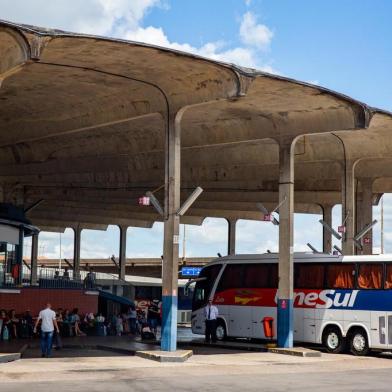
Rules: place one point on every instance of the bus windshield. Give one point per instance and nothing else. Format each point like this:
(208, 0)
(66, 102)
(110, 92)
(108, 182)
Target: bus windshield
(203, 287)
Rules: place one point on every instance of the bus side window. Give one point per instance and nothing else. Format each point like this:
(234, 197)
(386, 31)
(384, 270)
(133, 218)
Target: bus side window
(340, 276)
(369, 276)
(388, 276)
(274, 279)
(231, 277)
(256, 276)
(309, 276)
(203, 287)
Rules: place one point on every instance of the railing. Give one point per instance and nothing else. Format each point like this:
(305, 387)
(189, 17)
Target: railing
(51, 278)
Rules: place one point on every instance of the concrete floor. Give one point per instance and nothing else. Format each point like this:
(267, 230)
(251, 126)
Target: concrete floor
(207, 370)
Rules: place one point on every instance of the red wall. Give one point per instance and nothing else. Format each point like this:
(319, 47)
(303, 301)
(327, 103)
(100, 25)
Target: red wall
(35, 299)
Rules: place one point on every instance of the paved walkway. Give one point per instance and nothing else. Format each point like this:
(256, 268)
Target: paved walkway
(207, 370)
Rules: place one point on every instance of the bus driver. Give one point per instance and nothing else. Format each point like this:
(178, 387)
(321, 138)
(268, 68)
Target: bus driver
(211, 315)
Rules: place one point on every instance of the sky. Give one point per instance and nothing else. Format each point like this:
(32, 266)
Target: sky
(343, 45)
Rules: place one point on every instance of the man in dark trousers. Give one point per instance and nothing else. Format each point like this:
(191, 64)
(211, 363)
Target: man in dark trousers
(211, 315)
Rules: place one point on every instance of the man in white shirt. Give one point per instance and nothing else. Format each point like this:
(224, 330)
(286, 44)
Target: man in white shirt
(48, 324)
(211, 315)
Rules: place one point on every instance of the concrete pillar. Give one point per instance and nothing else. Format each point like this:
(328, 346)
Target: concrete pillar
(348, 208)
(34, 259)
(327, 236)
(286, 220)
(171, 234)
(76, 257)
(123, 251)
(231, 236)
(365, 214)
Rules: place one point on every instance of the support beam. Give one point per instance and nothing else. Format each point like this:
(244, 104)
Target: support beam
(231, 236)
(76, 257)
(171, 233)
(327, 235)
(366, 214)
(348, 207)
(34, 259)
(286, 218)
(123, 252)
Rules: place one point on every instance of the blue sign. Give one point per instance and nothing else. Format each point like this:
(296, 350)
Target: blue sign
(190, 271)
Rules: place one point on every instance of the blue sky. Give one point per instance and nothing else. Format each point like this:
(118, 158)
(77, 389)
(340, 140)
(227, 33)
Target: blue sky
(342, 45)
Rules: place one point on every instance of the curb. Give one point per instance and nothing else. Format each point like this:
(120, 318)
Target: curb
(227, 346)
(296, 351)
(165, 356)
(4, 358)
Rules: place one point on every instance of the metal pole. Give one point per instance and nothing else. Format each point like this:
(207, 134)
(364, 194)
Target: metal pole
(34, 259)
(123, 252)
(76, 258)
(60, 254)
(184, 244)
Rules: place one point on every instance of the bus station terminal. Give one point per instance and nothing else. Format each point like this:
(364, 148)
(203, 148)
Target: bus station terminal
(99, 131)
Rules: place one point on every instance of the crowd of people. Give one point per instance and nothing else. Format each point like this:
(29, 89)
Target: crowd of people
(130, 321)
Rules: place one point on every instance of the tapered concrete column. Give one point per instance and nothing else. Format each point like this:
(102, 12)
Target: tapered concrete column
(123, 251)
(76, 257)
(171, 234)
(365, 214)
(34, 259)
(231, 236)
(327, 236)
(286, 220)
(348, 208)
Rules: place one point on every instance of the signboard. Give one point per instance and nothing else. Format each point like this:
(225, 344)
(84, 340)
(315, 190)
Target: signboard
(190, 271)
(144, 201)
(341, 229)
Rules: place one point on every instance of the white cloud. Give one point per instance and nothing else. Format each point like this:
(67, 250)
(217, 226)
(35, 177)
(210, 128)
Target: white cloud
(124, 19)
(253, 33)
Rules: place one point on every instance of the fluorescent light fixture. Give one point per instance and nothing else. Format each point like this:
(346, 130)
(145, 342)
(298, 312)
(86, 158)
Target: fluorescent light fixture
(338, 249)
(155, 202)
(314, 250)
(189, 201)
(330, 229)
(365, 230)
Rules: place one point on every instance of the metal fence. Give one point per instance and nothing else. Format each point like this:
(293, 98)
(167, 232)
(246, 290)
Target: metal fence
(52, 278)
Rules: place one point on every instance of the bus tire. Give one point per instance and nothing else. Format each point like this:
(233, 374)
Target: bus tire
(221, 333)
(333, 340)
(359, 343)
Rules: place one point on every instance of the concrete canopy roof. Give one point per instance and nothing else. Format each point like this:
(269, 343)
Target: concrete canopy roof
(82, 124)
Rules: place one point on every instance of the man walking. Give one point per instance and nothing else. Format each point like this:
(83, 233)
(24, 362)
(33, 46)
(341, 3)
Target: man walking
(211, 315)
(49, 323)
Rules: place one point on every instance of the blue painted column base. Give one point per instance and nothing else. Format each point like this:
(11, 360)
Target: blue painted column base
(169, 323)
(285, 323)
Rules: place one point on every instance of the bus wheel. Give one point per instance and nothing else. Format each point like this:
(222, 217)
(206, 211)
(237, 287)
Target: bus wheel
(221, 331)
(333, 340)
(359, 344)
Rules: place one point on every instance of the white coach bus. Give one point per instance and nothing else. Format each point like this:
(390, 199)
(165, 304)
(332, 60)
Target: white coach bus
(339, 301)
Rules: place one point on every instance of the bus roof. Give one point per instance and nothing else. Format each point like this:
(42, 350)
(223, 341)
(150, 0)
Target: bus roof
(300, 257)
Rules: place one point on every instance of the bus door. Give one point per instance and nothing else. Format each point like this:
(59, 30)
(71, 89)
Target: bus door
(231, 291)
(369, 281)
(378, 328)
